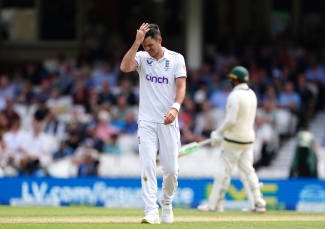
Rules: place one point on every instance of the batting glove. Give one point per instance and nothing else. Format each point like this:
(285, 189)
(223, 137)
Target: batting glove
(216, 138)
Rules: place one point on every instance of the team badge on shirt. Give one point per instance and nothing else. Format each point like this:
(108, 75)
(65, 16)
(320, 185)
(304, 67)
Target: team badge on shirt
(167, 65)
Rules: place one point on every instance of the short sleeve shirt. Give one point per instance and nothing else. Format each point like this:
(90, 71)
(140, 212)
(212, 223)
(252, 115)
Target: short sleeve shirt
(158, 83)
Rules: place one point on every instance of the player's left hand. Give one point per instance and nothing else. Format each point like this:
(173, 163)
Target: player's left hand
(216, 138)
(170, 116)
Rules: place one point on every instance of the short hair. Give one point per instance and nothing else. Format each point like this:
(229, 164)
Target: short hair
(153, 32)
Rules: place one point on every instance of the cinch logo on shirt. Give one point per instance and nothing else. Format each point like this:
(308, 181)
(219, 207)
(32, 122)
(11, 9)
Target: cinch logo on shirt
(156, 79)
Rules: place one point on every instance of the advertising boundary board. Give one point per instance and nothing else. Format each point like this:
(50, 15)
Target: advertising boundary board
(295, 194)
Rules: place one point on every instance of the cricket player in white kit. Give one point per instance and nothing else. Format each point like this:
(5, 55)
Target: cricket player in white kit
(162, 90)
(237, 136)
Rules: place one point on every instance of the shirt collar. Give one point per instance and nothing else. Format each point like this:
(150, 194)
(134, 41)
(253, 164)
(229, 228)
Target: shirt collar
(241, 86)
(165, 56)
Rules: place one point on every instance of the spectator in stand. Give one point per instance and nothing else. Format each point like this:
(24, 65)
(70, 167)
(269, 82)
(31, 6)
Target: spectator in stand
(26, 95)
(36, 150)
(209, 126)
(187, 131)
(64, 151)
(57, 103)
(86, 156)
(73, 140)
(10, 113)
(205, 116)
(14, 138)
(122, 107)
(45, 89)
(75, 125)
(93, 103)
(4, 125)
(88, 166)
(215, 84)
(316, 75)
(290, 100)
(107, 73)
(188, 111)
(267, 137)
(85, 77)
(218, 98)
(42, 110)
(113, 147)
(32, 74)
(80, 95)
(6, 91)
(91, 133)
(271, 96)
(278, 81)
(104, 130)
(13, 141)
(126, 91)
(65, 79)
(264, 135)
(117, 121)
(131, 124)
(308, 101)
(201, 94)
(54, 127)
(105, 95)
(17, 82)
(206, 73)
(60, 63)
(254, 73)
(194, 82)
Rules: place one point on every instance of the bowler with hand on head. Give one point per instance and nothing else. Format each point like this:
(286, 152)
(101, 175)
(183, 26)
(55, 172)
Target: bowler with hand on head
(162, 75)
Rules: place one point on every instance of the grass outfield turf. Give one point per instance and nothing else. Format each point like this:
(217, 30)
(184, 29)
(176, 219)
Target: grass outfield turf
(98, 217)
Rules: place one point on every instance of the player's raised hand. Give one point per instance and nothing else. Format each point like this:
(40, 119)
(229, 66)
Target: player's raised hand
(141, 32)
(170, 116)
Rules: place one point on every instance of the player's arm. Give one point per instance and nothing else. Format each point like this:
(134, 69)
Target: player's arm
(128, 63)
(171, 114)
(230, 120)
(231, 114)
(180, 90)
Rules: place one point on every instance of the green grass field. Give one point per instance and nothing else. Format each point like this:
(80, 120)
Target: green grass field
(98, 217)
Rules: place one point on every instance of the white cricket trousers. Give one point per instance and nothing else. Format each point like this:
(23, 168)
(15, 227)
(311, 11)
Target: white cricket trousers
(229, 158)
(154, 137)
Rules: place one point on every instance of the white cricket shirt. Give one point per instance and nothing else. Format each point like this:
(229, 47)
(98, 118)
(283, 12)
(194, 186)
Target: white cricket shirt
(238, 126)
(158, 83)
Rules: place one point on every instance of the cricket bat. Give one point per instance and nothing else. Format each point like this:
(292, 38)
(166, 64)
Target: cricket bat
(192, 147)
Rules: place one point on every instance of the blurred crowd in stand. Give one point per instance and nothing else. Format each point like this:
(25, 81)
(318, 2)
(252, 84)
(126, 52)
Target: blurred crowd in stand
(85, 107)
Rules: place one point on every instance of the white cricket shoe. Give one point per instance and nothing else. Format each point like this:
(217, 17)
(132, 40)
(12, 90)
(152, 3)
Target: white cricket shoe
(206, 208)
(257, 209)
(167, 215)
(152, 218)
